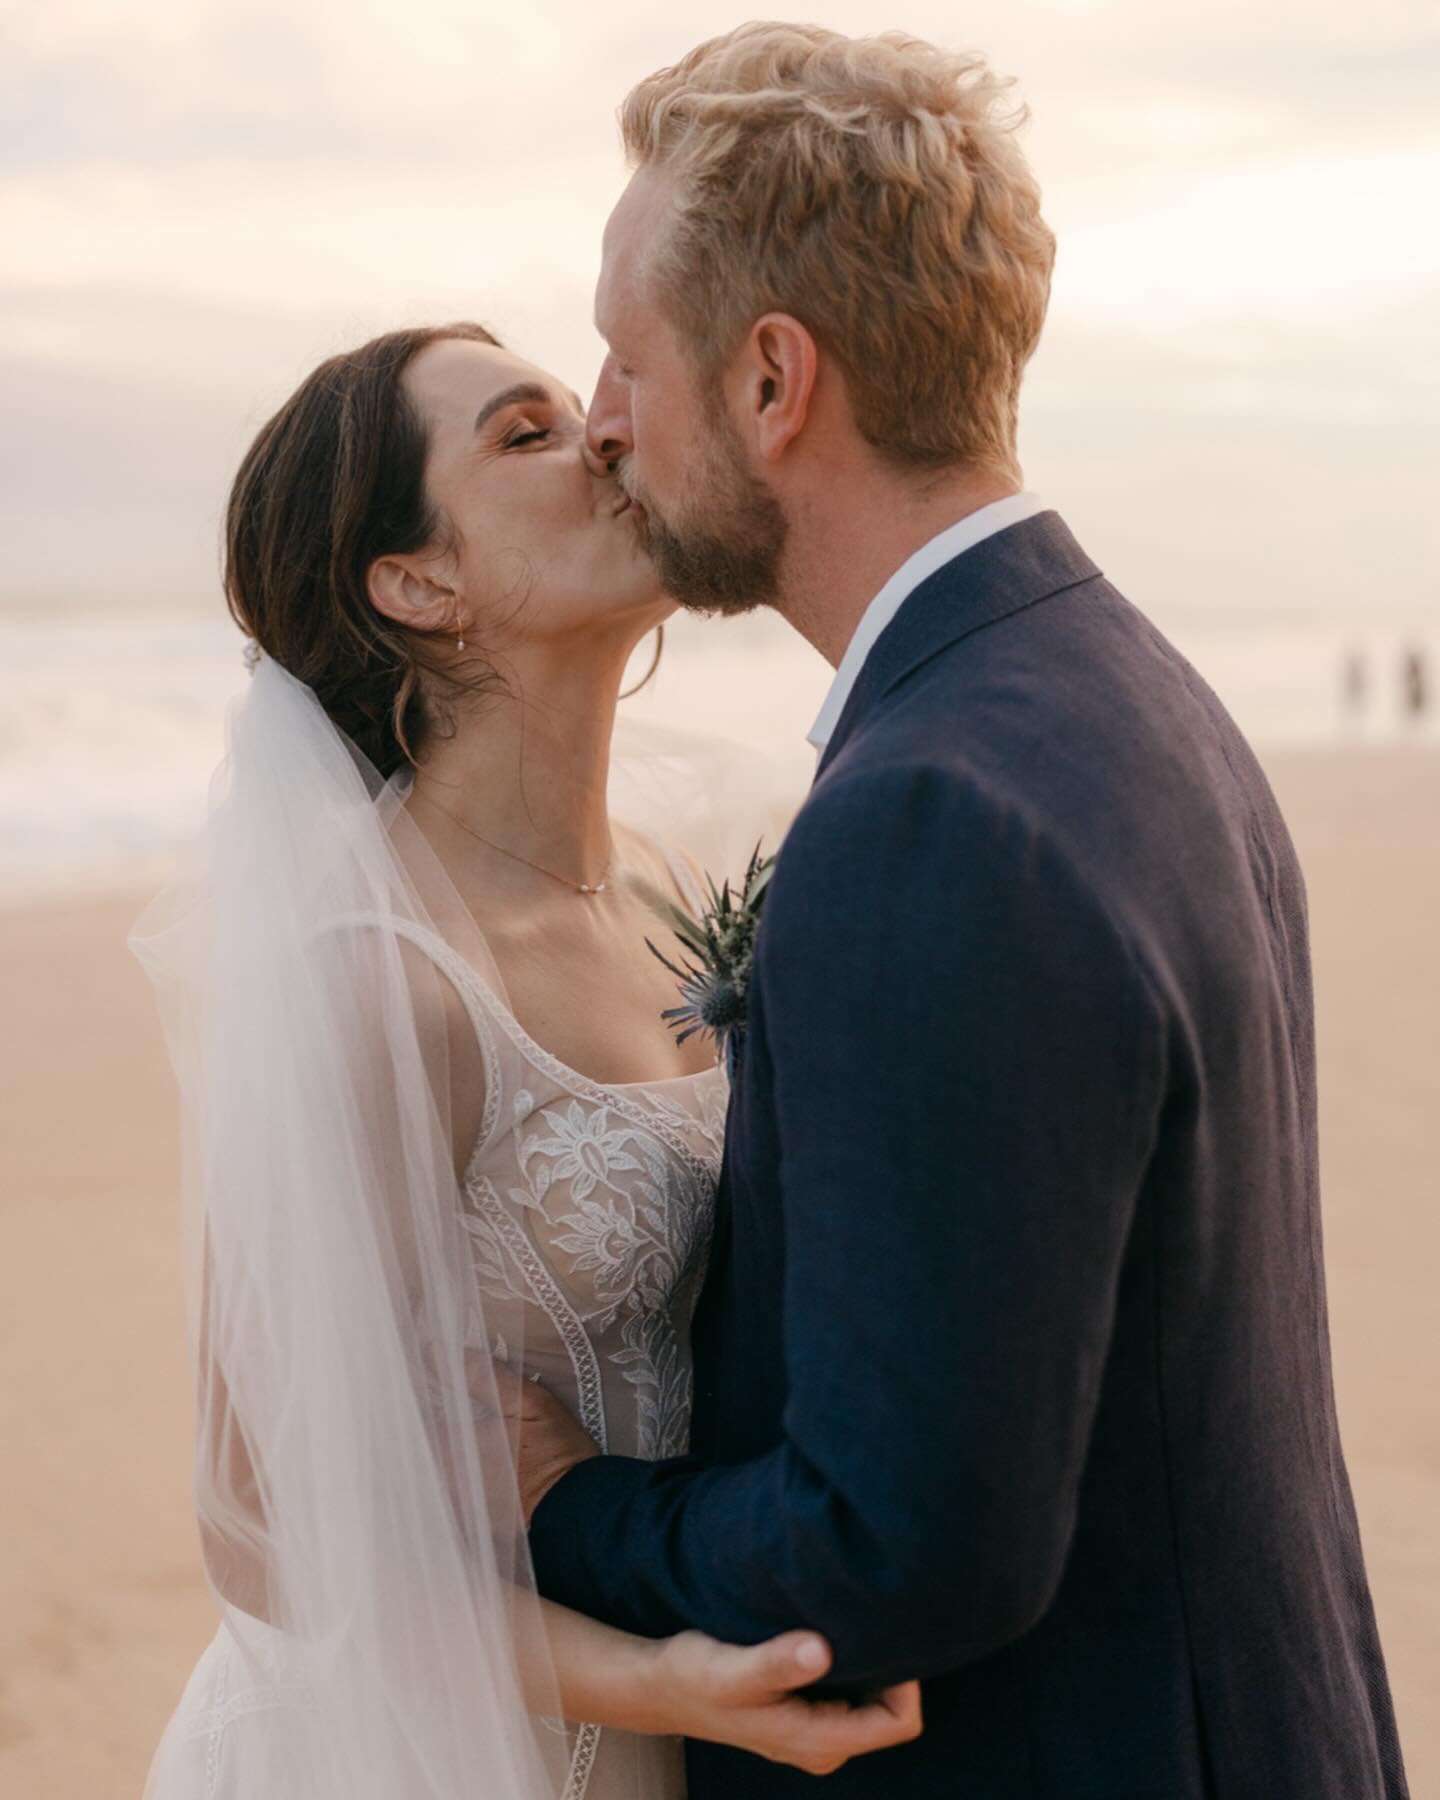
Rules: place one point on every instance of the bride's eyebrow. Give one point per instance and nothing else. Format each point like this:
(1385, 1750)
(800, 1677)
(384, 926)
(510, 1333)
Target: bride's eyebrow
(522, 393)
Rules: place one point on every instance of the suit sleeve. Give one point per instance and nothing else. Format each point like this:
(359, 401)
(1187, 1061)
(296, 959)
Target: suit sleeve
(968, 1069)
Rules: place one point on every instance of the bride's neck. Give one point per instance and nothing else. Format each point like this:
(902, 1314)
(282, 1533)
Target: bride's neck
(529, 770)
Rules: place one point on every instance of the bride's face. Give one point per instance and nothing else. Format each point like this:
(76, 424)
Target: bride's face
(538, 545)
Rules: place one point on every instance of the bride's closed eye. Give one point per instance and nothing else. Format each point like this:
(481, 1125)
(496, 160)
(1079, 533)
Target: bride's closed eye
(537, 434)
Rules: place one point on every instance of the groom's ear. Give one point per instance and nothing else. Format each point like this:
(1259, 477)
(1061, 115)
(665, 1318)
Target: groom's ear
(779, 361)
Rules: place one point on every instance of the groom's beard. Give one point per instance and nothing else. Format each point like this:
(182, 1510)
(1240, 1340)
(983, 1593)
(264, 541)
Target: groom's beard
(728, 560)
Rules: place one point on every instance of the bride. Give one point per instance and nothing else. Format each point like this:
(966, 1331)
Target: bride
(438, 1138)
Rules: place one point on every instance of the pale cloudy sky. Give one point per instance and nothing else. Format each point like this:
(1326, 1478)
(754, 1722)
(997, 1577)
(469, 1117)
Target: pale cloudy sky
(1238, 400)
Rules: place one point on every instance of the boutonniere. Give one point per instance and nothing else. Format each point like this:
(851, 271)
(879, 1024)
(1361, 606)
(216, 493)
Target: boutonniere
(714, 976)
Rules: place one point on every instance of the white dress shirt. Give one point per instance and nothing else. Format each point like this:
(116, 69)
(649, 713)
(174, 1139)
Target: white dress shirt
(942, 549)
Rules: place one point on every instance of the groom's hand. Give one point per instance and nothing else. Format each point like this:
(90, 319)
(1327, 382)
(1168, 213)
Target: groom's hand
(548, 1441)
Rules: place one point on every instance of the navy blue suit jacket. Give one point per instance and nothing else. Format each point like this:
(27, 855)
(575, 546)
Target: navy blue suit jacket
(1012, 1363)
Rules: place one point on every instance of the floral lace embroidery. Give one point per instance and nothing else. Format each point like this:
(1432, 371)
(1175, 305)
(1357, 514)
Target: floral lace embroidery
(635, 1234)
(548, 1296)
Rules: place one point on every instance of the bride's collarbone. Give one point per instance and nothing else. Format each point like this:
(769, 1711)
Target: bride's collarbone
(589, 991)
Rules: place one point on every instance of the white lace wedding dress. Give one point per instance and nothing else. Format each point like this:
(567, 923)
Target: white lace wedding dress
(587, 1210)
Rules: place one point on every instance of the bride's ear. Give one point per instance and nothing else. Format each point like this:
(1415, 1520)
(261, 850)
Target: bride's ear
(399, 590)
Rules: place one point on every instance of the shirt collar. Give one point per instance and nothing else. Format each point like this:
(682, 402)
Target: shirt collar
(999, 515)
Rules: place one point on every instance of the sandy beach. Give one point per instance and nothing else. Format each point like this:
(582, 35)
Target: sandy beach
(102, 1608)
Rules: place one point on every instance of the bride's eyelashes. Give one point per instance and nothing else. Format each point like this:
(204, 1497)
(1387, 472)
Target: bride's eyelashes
(526, 433)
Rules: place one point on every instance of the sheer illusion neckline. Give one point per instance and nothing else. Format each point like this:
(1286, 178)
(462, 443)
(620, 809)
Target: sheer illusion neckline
(465, 974)
(557, 1066)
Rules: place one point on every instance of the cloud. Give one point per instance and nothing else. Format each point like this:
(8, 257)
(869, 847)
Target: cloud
(1378, 367)
(1307, 235)
(361, 84)
(201, 198)
(112, 480)
(1250, 473)
(323, 89)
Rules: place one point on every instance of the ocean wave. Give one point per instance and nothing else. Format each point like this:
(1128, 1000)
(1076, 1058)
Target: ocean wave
(112, 726)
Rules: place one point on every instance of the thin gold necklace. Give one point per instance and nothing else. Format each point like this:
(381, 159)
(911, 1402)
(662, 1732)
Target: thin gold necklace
(589, 889)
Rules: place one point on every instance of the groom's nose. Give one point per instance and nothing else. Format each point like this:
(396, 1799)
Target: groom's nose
(608, 437)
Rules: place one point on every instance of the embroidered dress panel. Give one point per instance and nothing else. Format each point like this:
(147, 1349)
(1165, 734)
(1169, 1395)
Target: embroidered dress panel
(587, 1209)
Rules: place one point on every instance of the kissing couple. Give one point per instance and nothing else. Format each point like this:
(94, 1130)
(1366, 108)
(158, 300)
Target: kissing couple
(920, 1378)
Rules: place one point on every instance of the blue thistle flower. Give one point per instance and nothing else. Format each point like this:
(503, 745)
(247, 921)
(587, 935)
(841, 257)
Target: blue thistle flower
(714, 976)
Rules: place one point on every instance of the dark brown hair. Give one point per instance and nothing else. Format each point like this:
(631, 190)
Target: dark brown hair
(333, 481)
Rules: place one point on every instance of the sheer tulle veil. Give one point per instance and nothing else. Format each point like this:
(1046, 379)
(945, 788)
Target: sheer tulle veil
(354, 1474)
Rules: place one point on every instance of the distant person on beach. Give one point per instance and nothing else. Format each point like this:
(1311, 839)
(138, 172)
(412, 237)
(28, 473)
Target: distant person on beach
(1416, 684)
(915, 1369)
(1355, 683)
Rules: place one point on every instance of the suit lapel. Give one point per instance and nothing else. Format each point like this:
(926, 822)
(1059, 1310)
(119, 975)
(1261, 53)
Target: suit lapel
(1002, 575)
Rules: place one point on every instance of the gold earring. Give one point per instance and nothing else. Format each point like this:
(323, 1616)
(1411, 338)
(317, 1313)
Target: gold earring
(459, 633)
(654, 664)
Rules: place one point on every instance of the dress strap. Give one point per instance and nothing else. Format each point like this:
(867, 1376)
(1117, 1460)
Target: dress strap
(475, 995)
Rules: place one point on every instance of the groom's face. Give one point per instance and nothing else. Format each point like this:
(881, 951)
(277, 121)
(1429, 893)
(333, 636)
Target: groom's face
(714, 529)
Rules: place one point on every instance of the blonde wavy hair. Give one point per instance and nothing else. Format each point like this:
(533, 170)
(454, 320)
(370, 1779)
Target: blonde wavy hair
(871, 188)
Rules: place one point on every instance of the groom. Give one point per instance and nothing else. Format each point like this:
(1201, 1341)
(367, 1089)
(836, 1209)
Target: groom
(1012, 1367)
